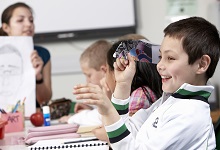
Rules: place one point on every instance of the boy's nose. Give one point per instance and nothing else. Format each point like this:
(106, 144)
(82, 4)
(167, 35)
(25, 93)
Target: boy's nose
(160, 66)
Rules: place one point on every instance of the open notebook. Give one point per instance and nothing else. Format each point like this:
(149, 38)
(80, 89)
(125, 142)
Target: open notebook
(89, 143)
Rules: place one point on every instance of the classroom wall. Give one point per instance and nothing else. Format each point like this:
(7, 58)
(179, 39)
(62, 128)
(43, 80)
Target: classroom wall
(151, 22)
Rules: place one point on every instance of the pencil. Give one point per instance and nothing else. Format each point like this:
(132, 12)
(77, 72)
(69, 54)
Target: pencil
(16, 106)
(78, 141)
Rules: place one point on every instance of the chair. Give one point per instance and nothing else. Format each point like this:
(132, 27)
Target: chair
(217, 134)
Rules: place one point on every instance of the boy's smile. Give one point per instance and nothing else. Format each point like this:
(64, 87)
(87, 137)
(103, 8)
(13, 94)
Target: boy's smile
(173, 66)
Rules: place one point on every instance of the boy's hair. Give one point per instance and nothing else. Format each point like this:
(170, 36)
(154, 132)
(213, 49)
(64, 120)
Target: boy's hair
(199, 37)
(95, 55)
(132, 36)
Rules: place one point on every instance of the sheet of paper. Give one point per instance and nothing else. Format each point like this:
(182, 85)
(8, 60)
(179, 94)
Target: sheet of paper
(89, 144)
(17, 76)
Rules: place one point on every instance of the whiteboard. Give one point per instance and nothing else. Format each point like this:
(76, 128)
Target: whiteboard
(70, 16)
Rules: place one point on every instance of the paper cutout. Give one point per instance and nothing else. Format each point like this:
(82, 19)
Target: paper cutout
(141, 50)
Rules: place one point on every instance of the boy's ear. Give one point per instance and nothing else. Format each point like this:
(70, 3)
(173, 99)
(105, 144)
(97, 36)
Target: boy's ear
(204, 63)
(103, 68)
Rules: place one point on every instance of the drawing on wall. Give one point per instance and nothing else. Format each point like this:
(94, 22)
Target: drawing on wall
(17, 76)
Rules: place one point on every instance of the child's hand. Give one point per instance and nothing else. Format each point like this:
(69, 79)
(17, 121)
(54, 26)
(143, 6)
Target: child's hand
(100, 133)
(124, 69)
(124, 72)
(80, 106)
(37, 63)
(64, 119)
(93, 94)
(105, 87)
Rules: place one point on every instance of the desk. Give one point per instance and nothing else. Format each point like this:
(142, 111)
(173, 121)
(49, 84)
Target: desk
(14, 141)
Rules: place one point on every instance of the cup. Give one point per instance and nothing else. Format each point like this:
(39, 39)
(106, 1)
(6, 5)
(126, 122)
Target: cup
(2, 128)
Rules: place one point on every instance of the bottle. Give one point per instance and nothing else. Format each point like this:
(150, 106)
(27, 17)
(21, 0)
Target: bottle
(46, 114)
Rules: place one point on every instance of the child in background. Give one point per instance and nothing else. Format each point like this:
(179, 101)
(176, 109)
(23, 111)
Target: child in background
(93, 65)
(17, 20)
(146, 85)
(180, 119)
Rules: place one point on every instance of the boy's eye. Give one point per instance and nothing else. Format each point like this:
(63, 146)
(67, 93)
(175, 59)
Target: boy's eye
(160, 57)
(171, 58)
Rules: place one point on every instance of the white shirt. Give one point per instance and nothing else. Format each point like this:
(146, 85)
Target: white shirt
(178, 121)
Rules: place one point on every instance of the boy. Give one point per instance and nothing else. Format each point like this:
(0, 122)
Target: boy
(93, 66)
(180, 119)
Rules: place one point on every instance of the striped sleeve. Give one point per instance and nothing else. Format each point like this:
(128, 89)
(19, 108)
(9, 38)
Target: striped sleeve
(117, 131)
(121, 105)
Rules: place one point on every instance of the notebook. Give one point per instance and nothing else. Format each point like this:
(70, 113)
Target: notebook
(89, 143)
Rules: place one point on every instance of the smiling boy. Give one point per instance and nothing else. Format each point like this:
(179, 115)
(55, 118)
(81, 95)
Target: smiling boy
(180, 119)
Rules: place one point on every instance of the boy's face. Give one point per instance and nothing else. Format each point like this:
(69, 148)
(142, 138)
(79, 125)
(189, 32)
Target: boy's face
(92, 75)
(110, 79)
(173, 66)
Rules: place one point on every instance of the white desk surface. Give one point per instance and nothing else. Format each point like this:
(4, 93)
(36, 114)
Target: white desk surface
(14, 141)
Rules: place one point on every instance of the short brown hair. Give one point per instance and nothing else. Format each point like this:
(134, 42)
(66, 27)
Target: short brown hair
(199, 37)
(131, 36)
(96, 54)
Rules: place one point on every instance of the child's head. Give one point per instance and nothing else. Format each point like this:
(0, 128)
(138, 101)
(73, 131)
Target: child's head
(93, 61)
(189, 53)
(17, 20)
(146, 74)
(131, 36)
(110, 78)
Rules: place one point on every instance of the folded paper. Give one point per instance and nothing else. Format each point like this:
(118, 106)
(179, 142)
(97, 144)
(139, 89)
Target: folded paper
(51, 132)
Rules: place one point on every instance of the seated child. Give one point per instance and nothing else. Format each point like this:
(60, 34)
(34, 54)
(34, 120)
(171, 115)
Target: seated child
(146, 86)
(93, 65)
(180, 119)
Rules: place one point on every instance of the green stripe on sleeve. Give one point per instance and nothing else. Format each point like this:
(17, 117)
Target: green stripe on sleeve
(120, 107)
(204, 94)
(117, 132)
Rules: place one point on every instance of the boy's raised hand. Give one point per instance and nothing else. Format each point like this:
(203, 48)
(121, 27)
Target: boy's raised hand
(94, 95)
(124, 72)
(124, 69)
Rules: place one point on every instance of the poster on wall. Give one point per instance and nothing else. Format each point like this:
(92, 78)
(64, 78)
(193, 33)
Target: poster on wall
(180, 9)
(17, 75)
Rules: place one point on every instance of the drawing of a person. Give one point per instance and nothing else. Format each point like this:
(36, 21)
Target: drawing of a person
(11, 70)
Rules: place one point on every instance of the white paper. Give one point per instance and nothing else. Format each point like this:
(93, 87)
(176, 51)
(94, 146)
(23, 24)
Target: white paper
(17, 75)
(59, 143)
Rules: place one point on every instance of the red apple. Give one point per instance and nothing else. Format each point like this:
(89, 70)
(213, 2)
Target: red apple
(37, 119)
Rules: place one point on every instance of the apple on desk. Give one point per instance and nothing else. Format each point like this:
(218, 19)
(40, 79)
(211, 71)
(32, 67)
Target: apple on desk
(37, 119)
